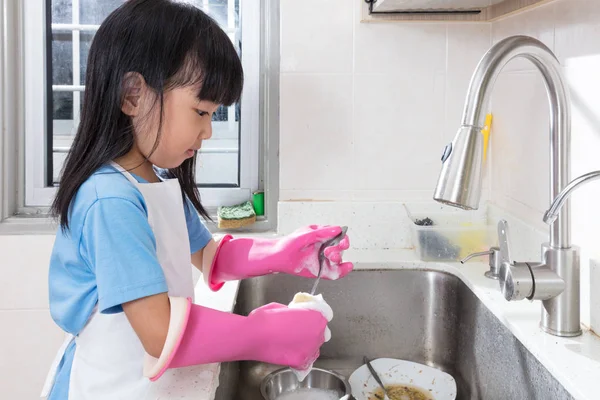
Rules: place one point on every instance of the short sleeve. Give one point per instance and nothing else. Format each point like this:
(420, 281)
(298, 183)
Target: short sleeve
(118, 244)
(198, 232)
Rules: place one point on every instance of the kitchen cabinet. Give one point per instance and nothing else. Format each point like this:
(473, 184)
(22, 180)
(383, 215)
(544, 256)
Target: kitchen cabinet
(443, 10)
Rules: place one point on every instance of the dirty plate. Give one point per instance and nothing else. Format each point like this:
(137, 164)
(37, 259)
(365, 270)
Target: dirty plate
(438, 384)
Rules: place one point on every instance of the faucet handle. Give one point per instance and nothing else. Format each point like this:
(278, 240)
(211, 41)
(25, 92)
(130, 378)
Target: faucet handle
(516, 279)
(505, 255)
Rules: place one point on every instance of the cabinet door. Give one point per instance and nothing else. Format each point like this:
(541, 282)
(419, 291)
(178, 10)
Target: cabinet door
(443, 10)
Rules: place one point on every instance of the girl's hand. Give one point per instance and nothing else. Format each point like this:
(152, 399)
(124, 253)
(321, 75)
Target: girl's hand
(288, 337)
(302, 251)
(294, 254)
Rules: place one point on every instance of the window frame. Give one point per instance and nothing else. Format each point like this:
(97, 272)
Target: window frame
(36, 35)
(22, 73)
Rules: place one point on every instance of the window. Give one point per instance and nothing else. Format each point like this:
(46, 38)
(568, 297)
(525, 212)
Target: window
(58, 34)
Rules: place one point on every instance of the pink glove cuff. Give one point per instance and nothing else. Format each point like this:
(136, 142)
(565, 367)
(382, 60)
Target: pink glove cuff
(210, 278)
(154, 368)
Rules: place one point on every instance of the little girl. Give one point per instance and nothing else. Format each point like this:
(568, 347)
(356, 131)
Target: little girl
(120, 273)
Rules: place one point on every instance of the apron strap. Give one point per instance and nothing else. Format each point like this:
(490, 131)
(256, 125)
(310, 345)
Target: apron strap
(51, 377)
(124, 172)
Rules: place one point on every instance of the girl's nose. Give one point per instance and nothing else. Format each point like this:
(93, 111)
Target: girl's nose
(206, 133)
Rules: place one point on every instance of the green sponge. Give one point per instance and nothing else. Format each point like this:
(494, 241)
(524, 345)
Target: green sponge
(232, 217)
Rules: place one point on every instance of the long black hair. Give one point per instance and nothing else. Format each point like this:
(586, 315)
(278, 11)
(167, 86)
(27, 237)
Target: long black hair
(171, 45)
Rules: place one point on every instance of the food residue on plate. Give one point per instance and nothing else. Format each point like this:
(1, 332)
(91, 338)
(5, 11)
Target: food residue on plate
(401, 392)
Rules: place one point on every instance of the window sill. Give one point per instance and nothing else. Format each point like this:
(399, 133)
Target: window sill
(28, 226)
(44, 225)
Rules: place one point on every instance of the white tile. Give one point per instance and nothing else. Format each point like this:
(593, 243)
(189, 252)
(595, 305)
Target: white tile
(371, 225)
(467, 44)
(316, 36)
(525, 239)
(24, 269)
(390, 195)
(316, 132)
(409, 49)
(521, 141)
(28, 342)
(594, 288)
(296, 214)
(537, 22)
(585, 294)
(315, 195)
(585, 97)
(398, 123)
(577, 47)
(584, 214)
(577, 29)
(380, 225)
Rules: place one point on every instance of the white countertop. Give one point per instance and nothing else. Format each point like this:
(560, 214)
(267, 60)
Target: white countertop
(574, 362)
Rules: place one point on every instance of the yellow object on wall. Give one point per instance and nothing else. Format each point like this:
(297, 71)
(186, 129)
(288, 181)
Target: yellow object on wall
(486, 134)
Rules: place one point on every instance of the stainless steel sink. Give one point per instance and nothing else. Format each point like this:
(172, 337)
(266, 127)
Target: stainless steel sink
(423, 316)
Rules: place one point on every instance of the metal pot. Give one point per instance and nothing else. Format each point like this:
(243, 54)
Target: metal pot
(284, 380)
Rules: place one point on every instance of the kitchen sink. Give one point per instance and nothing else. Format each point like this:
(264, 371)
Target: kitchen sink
(424, 316)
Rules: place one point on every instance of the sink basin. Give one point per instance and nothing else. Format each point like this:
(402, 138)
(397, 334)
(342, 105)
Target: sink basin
(429, 317)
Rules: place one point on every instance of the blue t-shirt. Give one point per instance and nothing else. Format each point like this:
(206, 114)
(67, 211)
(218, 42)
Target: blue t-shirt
(107, 257)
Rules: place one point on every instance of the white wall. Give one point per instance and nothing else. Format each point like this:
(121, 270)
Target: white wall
(520, 144)
(28, 337)
(366, 110)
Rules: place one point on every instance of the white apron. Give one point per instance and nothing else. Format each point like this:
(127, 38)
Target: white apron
(109, 356)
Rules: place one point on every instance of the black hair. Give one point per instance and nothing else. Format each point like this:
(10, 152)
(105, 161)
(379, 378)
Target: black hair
(170, 44)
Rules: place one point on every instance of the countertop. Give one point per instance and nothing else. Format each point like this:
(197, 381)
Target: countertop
(574, 362)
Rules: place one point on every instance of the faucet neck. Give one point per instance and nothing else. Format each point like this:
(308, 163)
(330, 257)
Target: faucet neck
(478, 100)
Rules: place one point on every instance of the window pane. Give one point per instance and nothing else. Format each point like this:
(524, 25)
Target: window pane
(93, 12)
(62, 58)
(62, 106)
(63, 130)
(62, 11)
(85, 43)
(214, 168)
(218, 12)
(58, 160)
(217, 168)
(222, 168)
(220, 114)
(217, 9)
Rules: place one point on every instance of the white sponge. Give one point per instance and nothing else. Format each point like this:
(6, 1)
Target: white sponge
(316, 303)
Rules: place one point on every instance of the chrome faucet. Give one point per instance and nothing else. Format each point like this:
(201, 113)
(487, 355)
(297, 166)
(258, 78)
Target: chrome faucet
(554, 280)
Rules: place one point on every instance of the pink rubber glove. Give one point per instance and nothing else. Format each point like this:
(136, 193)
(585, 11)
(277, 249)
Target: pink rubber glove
(294, 254)
(273, 334)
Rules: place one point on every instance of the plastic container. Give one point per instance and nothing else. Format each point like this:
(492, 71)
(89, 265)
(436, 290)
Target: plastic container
(258, 202)
(443, 233)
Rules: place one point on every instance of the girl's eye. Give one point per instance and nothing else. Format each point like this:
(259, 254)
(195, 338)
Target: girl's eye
(201, 113)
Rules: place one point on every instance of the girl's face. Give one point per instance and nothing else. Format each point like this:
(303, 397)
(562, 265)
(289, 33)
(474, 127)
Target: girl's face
(186, 123)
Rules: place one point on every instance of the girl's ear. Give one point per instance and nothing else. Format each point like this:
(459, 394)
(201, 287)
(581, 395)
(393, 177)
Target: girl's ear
(134, 87)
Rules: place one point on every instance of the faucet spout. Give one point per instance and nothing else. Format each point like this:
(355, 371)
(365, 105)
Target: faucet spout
(554, 210)
(459, 183)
